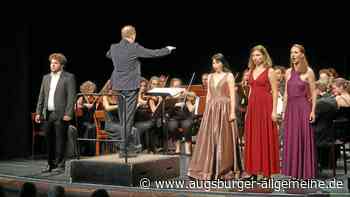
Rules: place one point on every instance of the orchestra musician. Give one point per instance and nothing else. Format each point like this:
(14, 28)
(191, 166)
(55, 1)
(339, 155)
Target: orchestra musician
(163, 80)
(154, 102)
(180, 118)
(144, 121)
(85, 109)
(113, 126)
(242, 94)
(205, 81)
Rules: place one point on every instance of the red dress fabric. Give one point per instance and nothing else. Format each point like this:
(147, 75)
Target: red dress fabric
(261, 153)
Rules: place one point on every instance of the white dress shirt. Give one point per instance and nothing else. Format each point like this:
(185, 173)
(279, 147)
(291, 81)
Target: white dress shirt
(54, 80)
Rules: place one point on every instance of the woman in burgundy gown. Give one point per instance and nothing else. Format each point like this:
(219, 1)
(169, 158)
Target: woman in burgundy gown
(261, 152)
(216, 153)
(299, 151)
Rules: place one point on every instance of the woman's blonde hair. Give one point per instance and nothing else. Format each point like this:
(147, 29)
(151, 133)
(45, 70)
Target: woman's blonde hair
(342, 83)
(153, 78)
(88, 87)
(267, 59)
(191, 95)
(304, 64)
(321, 85)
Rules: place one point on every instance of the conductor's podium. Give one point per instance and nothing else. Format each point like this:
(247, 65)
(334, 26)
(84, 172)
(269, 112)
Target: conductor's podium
(112, 170)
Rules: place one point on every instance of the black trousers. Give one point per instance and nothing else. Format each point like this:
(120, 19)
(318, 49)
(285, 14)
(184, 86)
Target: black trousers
(116, 132)
(131, 104)
(144, 127)
(88, 131)
(56, 139)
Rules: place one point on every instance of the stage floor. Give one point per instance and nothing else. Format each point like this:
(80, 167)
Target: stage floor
(30, 170)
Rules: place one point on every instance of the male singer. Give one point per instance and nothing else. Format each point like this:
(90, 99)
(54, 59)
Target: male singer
(55, 108)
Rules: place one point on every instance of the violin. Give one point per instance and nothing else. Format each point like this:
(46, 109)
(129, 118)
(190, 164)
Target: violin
(79, 110)
(188, 88)
(99, 100)
(90, 99)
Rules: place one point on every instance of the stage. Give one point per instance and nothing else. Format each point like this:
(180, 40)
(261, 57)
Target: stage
(13, 173)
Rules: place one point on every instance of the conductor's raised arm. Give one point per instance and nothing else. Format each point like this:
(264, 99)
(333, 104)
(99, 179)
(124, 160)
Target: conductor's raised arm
(149, 53)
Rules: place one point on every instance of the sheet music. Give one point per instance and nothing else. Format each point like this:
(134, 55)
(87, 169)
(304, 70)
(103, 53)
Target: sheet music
(169, 91)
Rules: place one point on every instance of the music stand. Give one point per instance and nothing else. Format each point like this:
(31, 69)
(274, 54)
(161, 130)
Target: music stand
(164, 92)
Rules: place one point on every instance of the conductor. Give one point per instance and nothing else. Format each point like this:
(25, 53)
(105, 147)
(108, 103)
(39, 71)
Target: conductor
(126, 77)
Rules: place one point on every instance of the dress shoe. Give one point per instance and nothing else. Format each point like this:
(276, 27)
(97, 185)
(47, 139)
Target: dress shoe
(174, 153)
(48, 168)
(61, 165)
(59, 169)
(159, 150)
(250, 178)
(138, 148)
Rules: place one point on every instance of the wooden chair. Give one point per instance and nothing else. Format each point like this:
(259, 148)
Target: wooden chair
(101, 134)
(36, 131)
(199, 90)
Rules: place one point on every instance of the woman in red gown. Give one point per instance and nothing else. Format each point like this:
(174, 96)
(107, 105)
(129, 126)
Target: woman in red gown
(261, 153)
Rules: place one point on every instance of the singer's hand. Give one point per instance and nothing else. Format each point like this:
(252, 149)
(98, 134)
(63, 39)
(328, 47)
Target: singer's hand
(232, 117)
(66, 118)
(170, 48)
(312, 117)
(274, 116)
(37, 118)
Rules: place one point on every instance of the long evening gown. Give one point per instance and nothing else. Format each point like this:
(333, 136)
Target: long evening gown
(261, 154)
(216, 154)
(299, 150)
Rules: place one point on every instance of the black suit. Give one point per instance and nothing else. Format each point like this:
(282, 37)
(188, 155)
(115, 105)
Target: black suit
(54, 125)
(126, 76)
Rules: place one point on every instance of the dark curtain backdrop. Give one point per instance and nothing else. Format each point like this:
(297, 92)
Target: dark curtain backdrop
(84, 39)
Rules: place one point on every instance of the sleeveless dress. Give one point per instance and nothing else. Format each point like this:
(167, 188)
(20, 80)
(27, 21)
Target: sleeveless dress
(216, 154)
(299, 150)
(261, 152)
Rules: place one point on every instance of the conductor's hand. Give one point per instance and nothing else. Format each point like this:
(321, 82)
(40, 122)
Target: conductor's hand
(171, 48)
(37, 118)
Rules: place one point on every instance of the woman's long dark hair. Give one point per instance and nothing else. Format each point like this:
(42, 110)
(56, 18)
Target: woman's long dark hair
(221, 58)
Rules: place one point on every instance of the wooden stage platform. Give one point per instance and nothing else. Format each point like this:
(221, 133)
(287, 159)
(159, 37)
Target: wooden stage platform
(13, 173)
